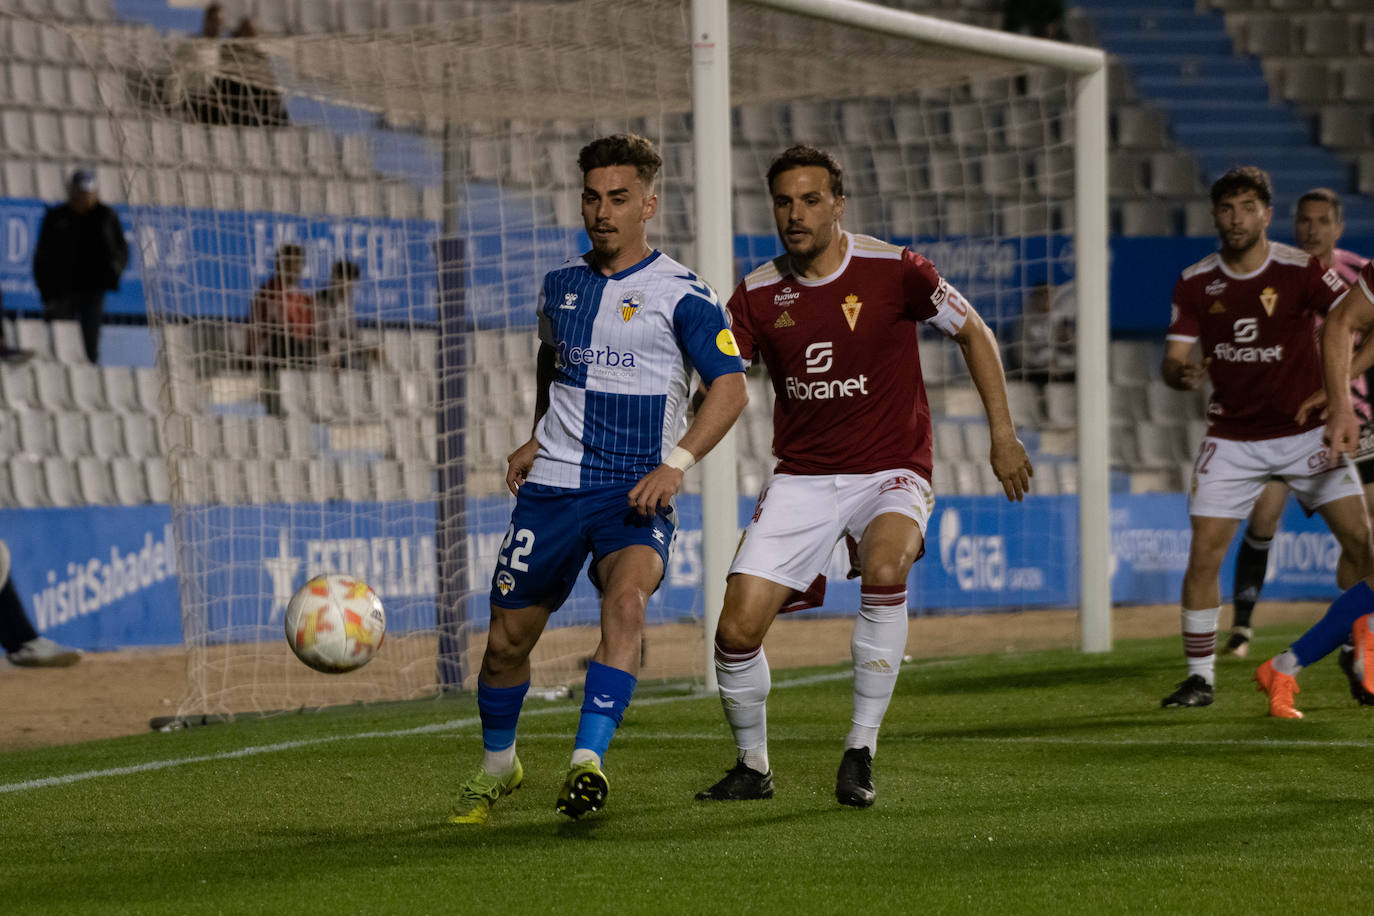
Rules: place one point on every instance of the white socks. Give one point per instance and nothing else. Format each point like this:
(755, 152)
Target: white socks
(1200, 642)
(499, 763)
(744, 682)
(1286, 662)
(877, 649)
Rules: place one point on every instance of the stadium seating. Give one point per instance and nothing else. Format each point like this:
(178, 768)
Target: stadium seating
(55, 108)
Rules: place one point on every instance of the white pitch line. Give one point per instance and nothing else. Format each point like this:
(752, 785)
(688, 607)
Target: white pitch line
(451, 725)
(1028, 739)
(458, 724)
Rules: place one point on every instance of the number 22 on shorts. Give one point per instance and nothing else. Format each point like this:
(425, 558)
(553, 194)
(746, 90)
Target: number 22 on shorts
(524, 543)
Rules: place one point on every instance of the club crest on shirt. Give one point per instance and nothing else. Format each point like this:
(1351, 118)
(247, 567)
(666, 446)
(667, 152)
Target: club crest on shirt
(851, 308)
(505, 582)
(1269, 298)
(629, 304)
(784, 321)
(1216, 287)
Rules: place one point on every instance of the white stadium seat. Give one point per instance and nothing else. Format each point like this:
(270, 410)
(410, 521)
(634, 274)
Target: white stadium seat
(107, 434)
(37, 436)
(94, 482)
(16, 386)
(60, 479)
(67, 343)
(118, 385)
(73, 434)
(140, 435)
(159, 485)
(27, 484)
(32, 334)
(148, 385)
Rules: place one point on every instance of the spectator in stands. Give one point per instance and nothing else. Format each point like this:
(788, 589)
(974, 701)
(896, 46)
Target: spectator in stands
(1042, 347)
(80, 255)
(282, 315)
(281, 319)
(190, 88)
(21, 642)
(247, 87)
(1040, 18)
(336, 324)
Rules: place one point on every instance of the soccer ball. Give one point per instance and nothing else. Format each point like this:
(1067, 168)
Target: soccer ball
(335, 623)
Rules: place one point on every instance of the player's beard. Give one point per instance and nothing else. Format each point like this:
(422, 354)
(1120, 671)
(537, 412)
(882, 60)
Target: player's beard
(1244, 245)
(810, 246)
(607, 246)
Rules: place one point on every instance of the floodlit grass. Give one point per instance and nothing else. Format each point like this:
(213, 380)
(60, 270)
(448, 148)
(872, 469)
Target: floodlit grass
(1045, 783)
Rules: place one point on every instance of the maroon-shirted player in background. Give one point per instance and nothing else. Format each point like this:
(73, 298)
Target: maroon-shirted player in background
(835, 322)
(1253, 306)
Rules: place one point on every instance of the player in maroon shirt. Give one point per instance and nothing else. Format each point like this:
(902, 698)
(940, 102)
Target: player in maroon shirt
(1253, 307)
(835, 322)
(1352, 614)
(1317, 227)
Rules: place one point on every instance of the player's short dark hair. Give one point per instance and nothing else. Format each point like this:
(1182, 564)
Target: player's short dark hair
(290, 252)
(622, 149)
(1326, 196)
(801, 155)
(1244, 178)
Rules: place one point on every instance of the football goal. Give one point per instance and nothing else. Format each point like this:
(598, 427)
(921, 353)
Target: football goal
(394, 184)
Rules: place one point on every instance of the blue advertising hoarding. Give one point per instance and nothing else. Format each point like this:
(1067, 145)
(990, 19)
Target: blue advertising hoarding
(101, 578)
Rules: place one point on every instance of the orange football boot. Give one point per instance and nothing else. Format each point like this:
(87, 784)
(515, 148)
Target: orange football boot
(1280, 688)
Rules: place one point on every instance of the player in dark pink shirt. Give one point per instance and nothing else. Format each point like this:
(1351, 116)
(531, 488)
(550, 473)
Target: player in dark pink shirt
(835, 321)
(1253, 308)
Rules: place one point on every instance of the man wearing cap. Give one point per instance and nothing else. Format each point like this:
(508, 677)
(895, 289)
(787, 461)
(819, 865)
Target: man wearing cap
(80, 254)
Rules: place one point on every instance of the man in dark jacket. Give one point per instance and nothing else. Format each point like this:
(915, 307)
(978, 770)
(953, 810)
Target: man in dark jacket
(81, 253)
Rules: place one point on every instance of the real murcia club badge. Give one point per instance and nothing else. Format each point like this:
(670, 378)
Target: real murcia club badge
(630, 304)
(851, 308)
(1269, 299)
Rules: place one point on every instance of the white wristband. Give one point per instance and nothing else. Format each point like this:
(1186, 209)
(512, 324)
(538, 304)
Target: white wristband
(680, 459)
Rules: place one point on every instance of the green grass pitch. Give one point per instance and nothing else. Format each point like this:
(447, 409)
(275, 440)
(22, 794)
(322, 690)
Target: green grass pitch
(1040, 783)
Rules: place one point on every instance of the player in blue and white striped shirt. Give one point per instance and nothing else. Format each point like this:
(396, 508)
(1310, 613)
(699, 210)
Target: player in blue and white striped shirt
(621, 328)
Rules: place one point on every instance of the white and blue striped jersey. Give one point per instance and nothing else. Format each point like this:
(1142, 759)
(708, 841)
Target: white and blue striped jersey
(626, 347)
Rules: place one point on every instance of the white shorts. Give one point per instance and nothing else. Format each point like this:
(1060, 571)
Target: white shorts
(1228, 475)
(799, 519)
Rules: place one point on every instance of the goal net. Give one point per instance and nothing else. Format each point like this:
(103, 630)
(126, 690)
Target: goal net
(408, 175)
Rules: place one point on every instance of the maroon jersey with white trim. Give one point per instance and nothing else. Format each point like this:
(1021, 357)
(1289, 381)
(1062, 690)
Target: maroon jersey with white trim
(1260, 332)
(842, 355)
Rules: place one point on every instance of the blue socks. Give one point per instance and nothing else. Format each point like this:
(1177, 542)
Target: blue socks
(606, 693)
(499, 708)
(1327, 634)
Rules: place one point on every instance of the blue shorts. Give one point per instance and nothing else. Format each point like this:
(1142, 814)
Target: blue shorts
(553, 529)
